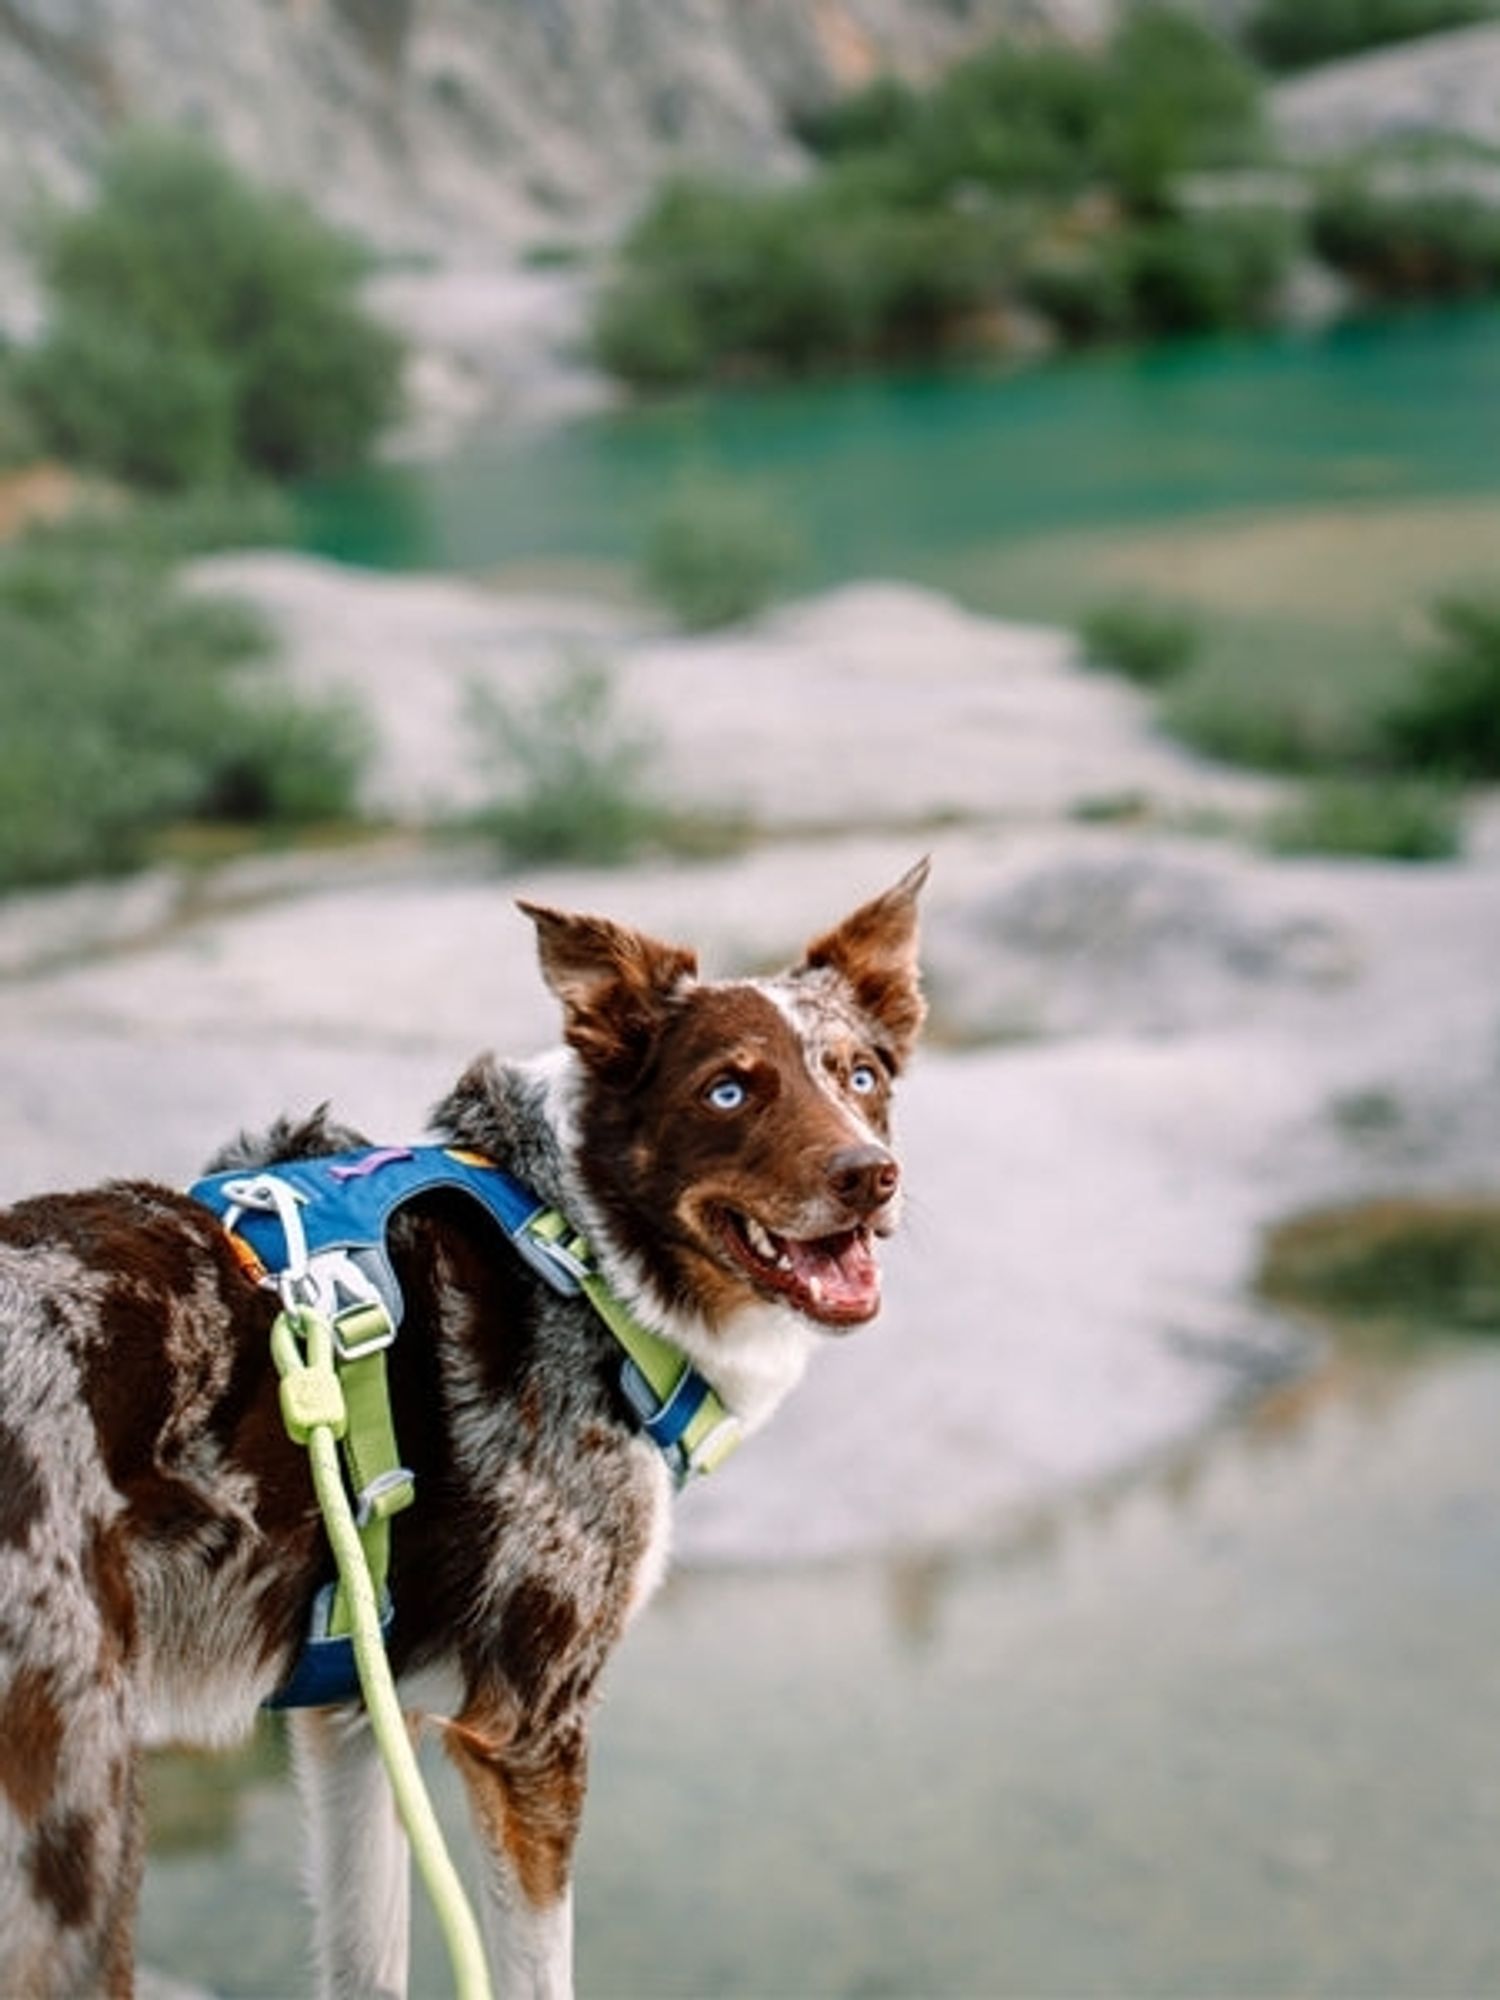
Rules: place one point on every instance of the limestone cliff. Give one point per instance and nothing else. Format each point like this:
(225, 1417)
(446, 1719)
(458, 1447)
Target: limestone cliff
(440, 127)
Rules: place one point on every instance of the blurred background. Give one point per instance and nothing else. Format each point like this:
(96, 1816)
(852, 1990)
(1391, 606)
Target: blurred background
(687, 461)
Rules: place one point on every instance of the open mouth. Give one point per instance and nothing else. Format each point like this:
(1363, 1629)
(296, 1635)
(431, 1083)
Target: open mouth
(832, 1279)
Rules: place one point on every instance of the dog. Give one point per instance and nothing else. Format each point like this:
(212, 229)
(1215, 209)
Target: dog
(723, 1146)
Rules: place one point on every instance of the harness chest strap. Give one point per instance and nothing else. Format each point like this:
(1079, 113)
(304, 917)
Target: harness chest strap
(675, 1406)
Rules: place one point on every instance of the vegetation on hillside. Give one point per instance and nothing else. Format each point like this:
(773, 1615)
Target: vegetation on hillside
(1035, 182)
(1029, 174)
(1294, 34)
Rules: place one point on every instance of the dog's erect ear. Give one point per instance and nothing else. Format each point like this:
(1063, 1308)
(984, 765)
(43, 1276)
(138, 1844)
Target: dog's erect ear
(615, 985)
(875, 952)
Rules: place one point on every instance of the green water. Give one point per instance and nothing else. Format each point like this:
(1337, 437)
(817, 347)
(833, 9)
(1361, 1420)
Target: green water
(902, 475)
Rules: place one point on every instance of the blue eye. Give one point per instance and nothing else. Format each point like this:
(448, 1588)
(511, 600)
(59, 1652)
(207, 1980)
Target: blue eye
(728, 1094)
(864, 1080)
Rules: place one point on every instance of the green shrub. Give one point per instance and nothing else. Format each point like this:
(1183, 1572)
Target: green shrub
(1429, 1262)
(20, 435)
(569, 773)
(1148, 641)
(718, 280)
(1202, 273)
(872, 120)
(1298, 732)
(126, 704)
(111, 396)
(650, 333)
(1181, 100)
(1015, 119)
(1291, 34)
(1448, 721)
(1384, 820)
(931, 208)
(1081, 286)
(717, 553)
(1411, 244)
(201, 327)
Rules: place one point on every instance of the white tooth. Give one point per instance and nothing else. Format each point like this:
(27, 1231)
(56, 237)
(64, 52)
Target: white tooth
(815, 1290)
(760, 1240)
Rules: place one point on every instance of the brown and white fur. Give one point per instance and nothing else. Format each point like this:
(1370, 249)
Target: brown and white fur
(725, 1148)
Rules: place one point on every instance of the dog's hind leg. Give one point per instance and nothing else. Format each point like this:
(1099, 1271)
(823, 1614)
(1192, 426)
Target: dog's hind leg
(359, 1874)
(71, 1825)
(526, 1800)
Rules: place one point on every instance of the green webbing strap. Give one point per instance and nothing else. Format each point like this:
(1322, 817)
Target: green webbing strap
(315, 1412)
(379, 1482)
(713, 1431)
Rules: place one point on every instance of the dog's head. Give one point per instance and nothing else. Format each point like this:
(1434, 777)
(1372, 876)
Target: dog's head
(735, 1135)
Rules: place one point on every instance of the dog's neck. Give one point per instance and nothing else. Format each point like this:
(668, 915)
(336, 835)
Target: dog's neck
(525, 1115)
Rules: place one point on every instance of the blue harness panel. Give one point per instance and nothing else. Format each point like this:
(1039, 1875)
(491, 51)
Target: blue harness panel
(346, 1201)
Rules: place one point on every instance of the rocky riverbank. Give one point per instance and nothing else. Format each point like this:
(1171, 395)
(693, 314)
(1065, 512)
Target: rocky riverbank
(1148, 1042)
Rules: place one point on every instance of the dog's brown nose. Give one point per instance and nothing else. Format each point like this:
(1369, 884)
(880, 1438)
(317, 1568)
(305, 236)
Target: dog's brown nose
(863, 1177)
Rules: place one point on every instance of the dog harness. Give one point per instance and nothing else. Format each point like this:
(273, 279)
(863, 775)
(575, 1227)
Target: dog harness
(316, 1231)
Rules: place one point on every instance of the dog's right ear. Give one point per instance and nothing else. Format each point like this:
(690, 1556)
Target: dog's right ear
(615, 986)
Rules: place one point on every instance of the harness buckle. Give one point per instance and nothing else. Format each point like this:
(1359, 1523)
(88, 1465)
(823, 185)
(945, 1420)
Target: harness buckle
(362, 1329)
(554, 1251)
(710, 1451)
(386, 1494)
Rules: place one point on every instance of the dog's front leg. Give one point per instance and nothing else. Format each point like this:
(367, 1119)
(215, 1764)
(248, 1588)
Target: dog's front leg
(526, 1798)
(359, 1874)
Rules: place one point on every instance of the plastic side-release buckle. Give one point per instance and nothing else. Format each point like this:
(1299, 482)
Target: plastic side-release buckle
(553, 1251)
(710, 1452)
(362, 1329)
(386, 1494)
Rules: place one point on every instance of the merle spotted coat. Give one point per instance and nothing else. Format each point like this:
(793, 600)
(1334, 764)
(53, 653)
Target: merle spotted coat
(725, 1147)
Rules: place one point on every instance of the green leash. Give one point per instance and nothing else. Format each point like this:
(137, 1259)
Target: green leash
(314, 1410)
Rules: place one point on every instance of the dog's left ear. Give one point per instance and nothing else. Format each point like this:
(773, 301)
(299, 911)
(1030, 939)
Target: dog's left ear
(874, 952)
(615, 986)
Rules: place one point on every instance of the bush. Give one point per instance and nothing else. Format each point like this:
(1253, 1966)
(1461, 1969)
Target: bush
(873, 120)
(716, 280)
(932, 208)
(126, 705)
(569, 775)
(718, 553)
(111, 397)
(1298, 733)
(1431, 1262)
(1202, 273)
(1382, 820)
(20, 435)
(1146, 640)
(201, 327)
(1410, 244)
(1013, 119)
(1181, 100)
(1448, 721)
(1291, 34)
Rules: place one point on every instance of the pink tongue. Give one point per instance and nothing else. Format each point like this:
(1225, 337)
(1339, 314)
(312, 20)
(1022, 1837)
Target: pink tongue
(845, 1268)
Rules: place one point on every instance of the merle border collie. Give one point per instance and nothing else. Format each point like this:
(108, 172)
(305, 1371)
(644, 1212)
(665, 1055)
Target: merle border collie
(725, 1148)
